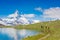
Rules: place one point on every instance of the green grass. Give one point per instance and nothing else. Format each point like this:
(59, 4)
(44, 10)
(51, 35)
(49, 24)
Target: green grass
(29, 27)
(35, 37)
(55, 27)
(54, 31)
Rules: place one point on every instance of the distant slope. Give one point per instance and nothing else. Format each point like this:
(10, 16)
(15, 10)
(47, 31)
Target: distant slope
(30, 26)
(54, 27)
(38, 25)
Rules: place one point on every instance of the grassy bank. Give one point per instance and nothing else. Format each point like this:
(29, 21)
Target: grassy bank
(35, 37)
(29, 27)
(54, 27)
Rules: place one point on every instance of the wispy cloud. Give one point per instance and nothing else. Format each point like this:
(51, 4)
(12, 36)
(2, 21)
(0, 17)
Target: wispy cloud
(29, 15)
(39, 9)
(52, 13)
(36, 21)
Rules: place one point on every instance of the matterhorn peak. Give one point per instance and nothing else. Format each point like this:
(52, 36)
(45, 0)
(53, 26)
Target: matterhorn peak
(15, 19)
(15, 14)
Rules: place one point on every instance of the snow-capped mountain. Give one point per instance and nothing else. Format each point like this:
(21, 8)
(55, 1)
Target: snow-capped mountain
(15, 19)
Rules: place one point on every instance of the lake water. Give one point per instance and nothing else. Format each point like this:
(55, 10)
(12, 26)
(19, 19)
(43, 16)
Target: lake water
(13, 34)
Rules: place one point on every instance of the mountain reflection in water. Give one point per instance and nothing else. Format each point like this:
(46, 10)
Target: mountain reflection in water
(13, 34)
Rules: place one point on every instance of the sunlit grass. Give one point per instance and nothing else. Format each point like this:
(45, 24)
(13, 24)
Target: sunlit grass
(54, 27)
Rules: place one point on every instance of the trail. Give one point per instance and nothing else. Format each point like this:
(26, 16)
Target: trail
(44, 37)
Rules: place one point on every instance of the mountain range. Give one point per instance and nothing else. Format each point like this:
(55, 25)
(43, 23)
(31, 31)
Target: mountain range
(16, 19)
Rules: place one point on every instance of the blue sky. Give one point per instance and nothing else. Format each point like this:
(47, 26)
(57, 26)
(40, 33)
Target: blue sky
(27, 6)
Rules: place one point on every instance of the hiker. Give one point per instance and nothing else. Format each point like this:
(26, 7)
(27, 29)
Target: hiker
(41, 26)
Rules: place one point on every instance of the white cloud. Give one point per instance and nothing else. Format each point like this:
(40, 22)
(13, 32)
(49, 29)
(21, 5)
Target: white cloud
(39, 9)
(29, 15)
(36, 21)
(52, 13)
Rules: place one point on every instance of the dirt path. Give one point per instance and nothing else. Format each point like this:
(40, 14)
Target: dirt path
(44, 37)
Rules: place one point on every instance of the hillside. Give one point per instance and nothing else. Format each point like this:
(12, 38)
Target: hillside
(54, 27)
